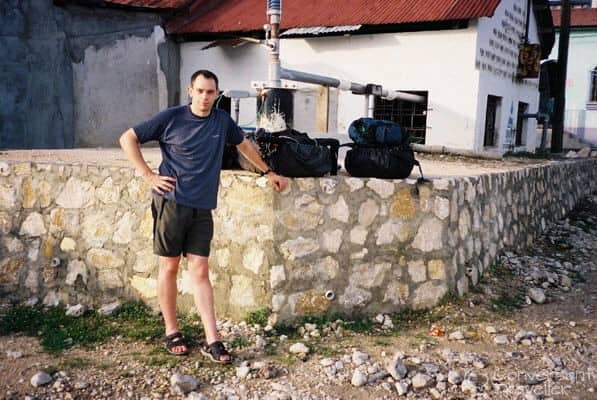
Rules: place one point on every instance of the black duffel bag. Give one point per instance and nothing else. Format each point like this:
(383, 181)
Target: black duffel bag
(376, 161)
(294, 154)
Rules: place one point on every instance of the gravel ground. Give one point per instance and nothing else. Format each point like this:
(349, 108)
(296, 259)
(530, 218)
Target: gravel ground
(527, 331)
(434, 165)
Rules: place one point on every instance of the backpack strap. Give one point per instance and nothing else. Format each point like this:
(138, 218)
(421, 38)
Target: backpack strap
(334, 146)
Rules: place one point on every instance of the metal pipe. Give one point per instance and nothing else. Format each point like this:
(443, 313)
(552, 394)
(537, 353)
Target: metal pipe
(236, 103)
(355, 88)
(370, 105)
(276, 72)
(274, 11)
(306, 77)
(395, 94)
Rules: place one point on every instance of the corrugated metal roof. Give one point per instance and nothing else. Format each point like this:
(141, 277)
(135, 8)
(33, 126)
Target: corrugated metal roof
(221, 16)
(320, 30)
(155, 4)
(578, 17)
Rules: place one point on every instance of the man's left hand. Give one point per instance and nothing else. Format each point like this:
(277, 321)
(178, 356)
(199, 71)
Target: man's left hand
(278, 182)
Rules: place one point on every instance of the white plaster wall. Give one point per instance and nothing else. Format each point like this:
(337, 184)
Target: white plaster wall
(115, 87)
(235, 68)
(432, 61)
(496, 60)
(581, 60)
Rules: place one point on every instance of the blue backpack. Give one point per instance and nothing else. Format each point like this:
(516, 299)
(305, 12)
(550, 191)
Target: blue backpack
(376, 131)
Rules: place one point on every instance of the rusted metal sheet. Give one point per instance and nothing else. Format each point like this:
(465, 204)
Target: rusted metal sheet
(578, 17)
(211, 16)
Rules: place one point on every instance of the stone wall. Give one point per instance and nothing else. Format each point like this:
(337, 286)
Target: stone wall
(82, 234)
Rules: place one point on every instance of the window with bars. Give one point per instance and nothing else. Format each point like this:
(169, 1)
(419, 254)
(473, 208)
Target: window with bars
(410, 116)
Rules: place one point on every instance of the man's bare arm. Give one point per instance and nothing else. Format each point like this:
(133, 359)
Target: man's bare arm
(130, 145)
(278, 182)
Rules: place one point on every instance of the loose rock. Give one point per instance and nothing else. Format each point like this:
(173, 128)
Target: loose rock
(298, 348)
(537, 295)
(421, 381)
(183, 383)
(40, 379)
(358, 378)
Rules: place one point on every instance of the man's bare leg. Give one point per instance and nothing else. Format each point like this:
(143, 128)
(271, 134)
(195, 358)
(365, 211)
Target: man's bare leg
(167, 292)
(203, 294)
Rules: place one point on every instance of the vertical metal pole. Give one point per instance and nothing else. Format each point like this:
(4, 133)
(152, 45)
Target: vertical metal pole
(557, 133)
(369, 105)
(526, 27)
(236, 103)
(274, 11)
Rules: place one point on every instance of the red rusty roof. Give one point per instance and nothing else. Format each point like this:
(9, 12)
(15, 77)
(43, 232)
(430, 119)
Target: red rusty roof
(219, 16)
(155, 4)
(578, 17)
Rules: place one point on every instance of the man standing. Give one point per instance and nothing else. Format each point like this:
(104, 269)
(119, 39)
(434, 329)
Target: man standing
(192, 139)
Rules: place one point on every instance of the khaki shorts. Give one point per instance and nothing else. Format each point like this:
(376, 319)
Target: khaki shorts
(179, 229)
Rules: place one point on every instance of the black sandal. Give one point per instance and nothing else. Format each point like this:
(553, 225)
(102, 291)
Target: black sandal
(173, 340)
(215, 351)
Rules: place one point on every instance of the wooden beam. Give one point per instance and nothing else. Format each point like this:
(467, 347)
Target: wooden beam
(321, 123)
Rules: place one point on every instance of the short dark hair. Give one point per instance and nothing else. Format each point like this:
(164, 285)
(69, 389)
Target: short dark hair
(206, 74)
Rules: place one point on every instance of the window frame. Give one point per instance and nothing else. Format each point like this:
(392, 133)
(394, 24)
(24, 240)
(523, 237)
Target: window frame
(592, 102)
(491, 136)
(521, 124)
(409, 115)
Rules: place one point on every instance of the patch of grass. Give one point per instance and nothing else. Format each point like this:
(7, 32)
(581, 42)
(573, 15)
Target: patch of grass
(258, 316)
(359, 324)
(166, 360)
(382, 342)
(104, 366)
(507, 302)
(324, 351)
(75, 363)
(22, 319)
(270, 351)
(133, 311)
(289, 330)
(57, 331)
(240, 342)
(412, 318)
(497, 270)
(450, 298)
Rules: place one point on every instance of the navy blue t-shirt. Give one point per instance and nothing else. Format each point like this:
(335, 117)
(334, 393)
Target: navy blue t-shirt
(192, 149)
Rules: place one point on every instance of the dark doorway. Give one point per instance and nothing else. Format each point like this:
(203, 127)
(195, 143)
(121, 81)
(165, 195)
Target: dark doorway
(521, 124)
(493, 105)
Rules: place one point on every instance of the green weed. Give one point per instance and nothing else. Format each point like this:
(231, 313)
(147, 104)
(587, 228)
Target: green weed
(57, 331)
(507, 302)
(240, 342)
(382, 342)
(75, 363)
(258, 316)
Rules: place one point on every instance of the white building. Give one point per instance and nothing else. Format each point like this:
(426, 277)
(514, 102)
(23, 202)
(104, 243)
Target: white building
(461, 54)
(581, 78)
